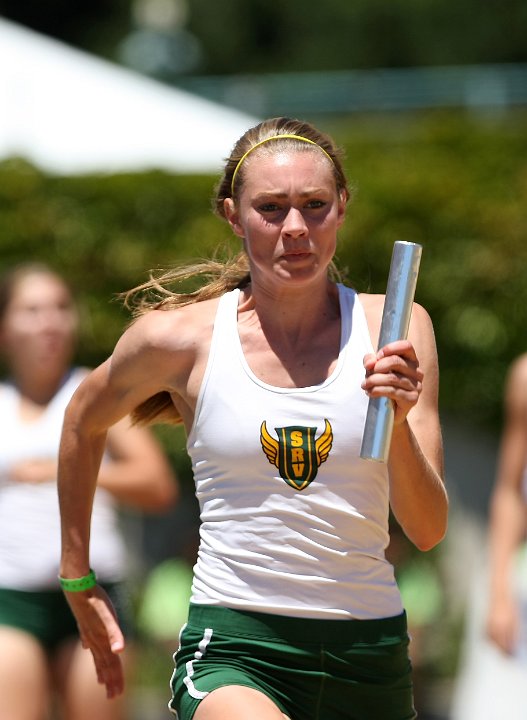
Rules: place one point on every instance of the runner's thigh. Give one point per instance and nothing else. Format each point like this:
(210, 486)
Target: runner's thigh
(235, 702)
(24, 676)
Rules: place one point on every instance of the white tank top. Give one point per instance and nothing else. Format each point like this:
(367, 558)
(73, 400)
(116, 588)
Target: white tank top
(29, 513)
(293, 521)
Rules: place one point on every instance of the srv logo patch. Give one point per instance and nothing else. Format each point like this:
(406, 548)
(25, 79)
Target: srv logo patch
(297, 453)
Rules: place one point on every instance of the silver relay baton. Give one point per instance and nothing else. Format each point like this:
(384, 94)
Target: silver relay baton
(396, 314)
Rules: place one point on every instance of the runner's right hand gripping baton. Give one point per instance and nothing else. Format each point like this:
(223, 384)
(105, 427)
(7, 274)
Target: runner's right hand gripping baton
(396, 314)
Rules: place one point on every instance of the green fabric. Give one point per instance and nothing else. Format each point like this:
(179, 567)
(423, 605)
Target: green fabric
(311, 669)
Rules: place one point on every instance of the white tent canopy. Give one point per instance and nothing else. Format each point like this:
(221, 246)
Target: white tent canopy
(71, 113)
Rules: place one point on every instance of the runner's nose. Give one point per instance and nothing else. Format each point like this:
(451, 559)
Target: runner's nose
(294, 224)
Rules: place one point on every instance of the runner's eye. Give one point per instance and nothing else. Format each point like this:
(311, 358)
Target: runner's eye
(268, 207)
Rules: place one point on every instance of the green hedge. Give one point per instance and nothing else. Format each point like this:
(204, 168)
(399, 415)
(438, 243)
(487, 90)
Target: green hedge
(453, 182)
(458, 185)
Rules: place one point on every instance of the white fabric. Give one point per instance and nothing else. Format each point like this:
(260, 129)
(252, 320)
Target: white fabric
(491, 685)
(265, 546)
(29, 513)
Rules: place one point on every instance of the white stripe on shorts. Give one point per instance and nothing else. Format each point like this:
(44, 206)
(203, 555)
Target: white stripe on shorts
(202, 648)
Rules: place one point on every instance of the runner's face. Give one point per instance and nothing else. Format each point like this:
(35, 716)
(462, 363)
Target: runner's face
(288, 214)
(40, 322)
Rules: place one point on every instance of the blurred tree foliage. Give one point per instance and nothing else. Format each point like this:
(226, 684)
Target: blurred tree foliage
(253, 36)
(459, 187)
(95, 25)
(453, 183)
(250, 36)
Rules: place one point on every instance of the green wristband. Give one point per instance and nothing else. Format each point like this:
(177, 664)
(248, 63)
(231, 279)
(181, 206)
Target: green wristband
(78, 584)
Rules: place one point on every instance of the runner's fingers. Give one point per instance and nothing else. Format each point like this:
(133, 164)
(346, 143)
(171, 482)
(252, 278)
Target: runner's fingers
(112, 631)
(404, 348)
(104, 638)
(397, 354)
(395, 363)
(381, 383)
(107, 662)
(503, 632)
(109, 673)
(100, 633)
(402, 394)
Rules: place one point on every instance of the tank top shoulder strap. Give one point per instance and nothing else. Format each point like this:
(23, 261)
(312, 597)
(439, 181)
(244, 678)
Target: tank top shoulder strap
(223, 336)
(226, 321)
(353, 318)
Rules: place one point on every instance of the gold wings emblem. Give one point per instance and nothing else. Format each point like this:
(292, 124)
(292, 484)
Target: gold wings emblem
(269, 445)
(324, 443)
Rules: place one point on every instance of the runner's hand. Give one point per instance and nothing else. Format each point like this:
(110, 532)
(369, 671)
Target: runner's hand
(394, 372)
(100, 633)
(503, 625)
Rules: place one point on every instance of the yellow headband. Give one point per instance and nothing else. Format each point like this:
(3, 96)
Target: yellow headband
(274, 137)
